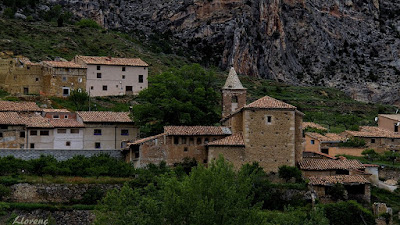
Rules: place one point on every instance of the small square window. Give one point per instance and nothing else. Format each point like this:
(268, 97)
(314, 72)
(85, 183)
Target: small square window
(22, 134)
(33, 132)
(56, 116)
(104, 87)
(68, 143)
(76, 131)
(123, 76)
(97, 132)
(37, 79)
(185, 149)
(140, 78)
(312, 142)
(32, 145)
(199, 141)
(61, 131)
(98, 75)
(91, 87)
(123, 68)
(269, 119)
(372, 140)
(44, 133)
(125, 132)
(98, 67)
(97, 145)
(183, 140)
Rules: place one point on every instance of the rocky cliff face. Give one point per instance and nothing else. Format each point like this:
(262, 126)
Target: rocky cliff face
(349, 44)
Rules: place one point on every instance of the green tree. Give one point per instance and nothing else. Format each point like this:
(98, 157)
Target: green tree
(370, 154)
(79, 99)
(185, 96)
(341, 213)
(391, 156)
(287, 172)
(214, 195)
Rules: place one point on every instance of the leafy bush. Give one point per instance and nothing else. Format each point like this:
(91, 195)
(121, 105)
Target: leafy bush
(289, 172)
(341, 213)
(315, 130)
(92, 195)
(8, 181)
(9, 13)
(370, 154)
(353, 142)
(4, 191)
(87, 23)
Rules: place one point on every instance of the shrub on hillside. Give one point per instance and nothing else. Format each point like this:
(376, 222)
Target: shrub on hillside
(289, 172)
(353, 142)
(342, 213)
(88, 23)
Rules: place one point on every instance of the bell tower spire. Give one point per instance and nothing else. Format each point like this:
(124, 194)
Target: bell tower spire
(233, 94)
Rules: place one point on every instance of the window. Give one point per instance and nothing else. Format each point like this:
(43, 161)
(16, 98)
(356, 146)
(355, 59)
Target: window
(61, 131)
(185, 149)
(372, 141)
(205, 141)
(64, 78)
(183, 140)
(325, 150)
(68, 143)
(56, 116)
(104, 87)
(98, 67)
(97, 132)
(65, 91)
(76, 131)
(312, 142)
(125, 132)
(140, 78)
(1, 134)
(191, 141)
(32, 145)
(97, 145)
(128, 88)
(37, 79)
(199, 141)
(123, 68)
(26, 90)
(98, 75)
(176, 140)
(44, 133)
(235, 99)
(79, 80)
(268, 119)
(392, 140)
(33, 132)
(396, 128)
(123, 76)
(22, 134)
(65, 116)
(91, 87)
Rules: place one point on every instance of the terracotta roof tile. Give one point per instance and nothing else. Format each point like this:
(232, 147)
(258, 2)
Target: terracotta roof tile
(313, 125)
(100, 116)
(330, 164)
(60, 64)
(319, 154)
(11, 118)
(36, 121)
(342, 179)
(6, 106)
(370, 165)
(28, 62)
(233, 82)
(56, 110)
(143, 140)
(328, 137)
(232, 140)
(196, 130)
(65, 123)
(368, 131)
(267, 102)
(391, 116)
(102, 60)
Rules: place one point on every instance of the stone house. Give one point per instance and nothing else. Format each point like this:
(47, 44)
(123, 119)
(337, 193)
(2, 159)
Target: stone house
(12, 130)
(267, 131)
(40, 132)
(114, 76)
(377, 138)
(175, 144)
(329, 167)
(107, 130)
(390, 122)
(60, 78)
(20, 76)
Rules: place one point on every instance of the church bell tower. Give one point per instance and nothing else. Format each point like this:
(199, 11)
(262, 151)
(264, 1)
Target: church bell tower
(233, 94)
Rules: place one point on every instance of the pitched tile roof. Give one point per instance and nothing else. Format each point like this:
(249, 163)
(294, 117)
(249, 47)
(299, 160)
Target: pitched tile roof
(233, 82)
(102, 60)
(391, 116)
(313, 125)
(370, 165)
(232, 140)
(65, 123)
(309, 154)
(56, 110)
(36, 121)
(60, 64)
(196, 130)
(143, 140)
(330, 164)
(368, 131)
(11, 118)
(28, 62)
(328, 137)
(100, 116)
(267, 102)
(19, 106)
(342, 179)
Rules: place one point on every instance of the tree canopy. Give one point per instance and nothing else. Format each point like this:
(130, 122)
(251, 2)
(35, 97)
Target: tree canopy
(184, 96)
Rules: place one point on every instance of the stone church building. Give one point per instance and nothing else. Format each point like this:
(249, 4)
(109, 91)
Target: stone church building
(267, 131)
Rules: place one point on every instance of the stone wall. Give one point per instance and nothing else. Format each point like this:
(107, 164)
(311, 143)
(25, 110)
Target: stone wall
(389, 173)
(61, 155)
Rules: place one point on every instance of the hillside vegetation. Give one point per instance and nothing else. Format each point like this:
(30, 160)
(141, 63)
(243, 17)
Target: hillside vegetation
(45, 41)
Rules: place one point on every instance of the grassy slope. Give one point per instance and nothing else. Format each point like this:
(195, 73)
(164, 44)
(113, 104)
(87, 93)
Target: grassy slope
(42, 40)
